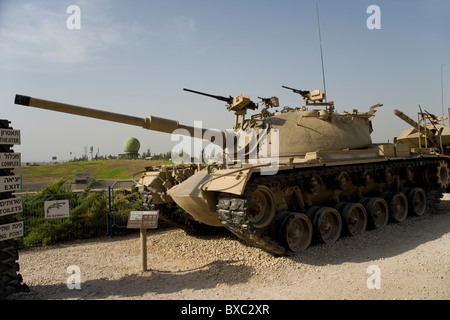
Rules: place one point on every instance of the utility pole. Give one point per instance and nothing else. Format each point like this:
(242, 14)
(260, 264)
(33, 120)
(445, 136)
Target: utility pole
(442, 88)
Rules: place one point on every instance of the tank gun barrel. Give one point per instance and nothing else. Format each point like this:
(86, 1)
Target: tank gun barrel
(150, 122)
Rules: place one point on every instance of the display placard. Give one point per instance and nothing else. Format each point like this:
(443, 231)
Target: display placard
(143, 220)
(56, 209)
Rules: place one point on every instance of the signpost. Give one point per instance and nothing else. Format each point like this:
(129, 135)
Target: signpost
(143, 220)
(10, 279)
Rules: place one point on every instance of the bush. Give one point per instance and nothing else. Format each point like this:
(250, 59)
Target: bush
(87, 219)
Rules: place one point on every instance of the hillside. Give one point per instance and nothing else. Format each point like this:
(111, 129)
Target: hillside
(100, 169)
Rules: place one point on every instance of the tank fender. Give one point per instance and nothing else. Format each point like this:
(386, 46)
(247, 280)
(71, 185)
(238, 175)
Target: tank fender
(229, 180)
(155, 184)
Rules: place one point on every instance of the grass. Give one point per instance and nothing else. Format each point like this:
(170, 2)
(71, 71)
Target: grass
(100, 169)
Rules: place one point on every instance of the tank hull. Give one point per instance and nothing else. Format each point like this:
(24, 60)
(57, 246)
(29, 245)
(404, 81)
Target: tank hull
(255, 207)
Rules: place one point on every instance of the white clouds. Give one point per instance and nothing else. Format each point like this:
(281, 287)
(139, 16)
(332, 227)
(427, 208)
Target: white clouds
(35, 34)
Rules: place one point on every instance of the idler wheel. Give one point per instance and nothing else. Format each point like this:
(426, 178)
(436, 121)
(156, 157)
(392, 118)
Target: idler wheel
(398, 206)
(261, 207)
(377, 212)
(417, 201)
(354, 218)
(327, 224)
(296, 232)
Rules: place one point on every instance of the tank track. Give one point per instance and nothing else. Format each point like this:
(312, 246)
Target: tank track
(10, 278)
(233, 210)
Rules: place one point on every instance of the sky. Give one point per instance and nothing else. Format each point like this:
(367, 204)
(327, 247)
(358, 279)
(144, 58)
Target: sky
(135, 57)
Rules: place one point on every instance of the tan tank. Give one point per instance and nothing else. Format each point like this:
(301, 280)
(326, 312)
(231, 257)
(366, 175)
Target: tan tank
(288, 178)
(429, 132)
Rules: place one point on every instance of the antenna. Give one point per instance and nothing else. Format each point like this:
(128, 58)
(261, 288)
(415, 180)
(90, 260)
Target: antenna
(321, 55)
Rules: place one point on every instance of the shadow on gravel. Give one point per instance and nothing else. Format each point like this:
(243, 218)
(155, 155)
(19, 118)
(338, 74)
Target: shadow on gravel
(389, 241)
(151, 281)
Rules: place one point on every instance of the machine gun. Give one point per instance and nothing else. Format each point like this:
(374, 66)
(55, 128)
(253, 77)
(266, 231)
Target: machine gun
(303, 93)
(314, 97)
(238, 103)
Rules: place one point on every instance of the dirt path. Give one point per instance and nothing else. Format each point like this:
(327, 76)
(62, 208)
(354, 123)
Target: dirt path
(411, 260)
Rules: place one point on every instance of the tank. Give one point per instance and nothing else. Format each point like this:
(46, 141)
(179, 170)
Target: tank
(288, 178)
(429, 132)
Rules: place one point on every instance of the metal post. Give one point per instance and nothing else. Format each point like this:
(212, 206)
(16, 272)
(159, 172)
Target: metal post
(144, 249)
(110, 230)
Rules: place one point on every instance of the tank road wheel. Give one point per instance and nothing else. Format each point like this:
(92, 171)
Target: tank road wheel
(315, 184)
(417, 201)
(354, 218)
(296, 232)
(327, 224)
(398, 206)
(261, 207)
(377, 212)
(409, 173)
(367, 178)
(343, 180)
(389, 175)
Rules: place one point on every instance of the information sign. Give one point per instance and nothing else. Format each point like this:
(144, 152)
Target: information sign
(10, 206)
(143, 220)
(10, 183)
(9, 160)
(9, 137)
(11, 230)
(56, 209)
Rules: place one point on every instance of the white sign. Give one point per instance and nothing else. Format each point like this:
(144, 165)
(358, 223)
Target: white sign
(10, 183)
(56, 209)
(9, 136)
(10, 206)
(9, 160)
(11, 230)
(143, 220)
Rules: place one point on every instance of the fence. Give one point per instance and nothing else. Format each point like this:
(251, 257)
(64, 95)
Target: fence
(90, 215)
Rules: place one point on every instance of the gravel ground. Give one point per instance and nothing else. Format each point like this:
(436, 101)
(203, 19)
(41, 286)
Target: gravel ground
(411, 260)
